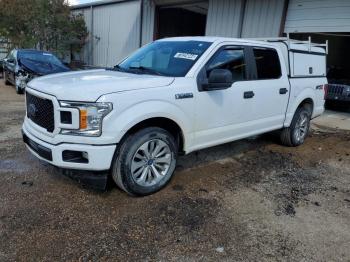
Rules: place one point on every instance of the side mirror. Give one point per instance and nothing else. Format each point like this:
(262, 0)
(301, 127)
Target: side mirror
(219, 79)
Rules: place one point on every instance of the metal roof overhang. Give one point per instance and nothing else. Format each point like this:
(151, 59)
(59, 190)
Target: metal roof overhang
(98, 3)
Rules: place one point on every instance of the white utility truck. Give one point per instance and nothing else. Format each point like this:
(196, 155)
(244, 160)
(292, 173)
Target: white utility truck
(172, 96)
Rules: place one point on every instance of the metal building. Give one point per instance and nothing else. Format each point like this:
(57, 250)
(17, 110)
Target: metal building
(118, 27)
(3, 48)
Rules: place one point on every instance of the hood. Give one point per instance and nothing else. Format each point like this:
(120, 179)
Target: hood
(42, 68)
(89, 85)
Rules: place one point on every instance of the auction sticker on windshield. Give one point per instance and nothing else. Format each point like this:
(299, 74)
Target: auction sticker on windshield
(186, 56)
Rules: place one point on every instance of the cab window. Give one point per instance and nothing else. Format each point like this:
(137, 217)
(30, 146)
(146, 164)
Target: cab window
(267, 63)
(231, 59)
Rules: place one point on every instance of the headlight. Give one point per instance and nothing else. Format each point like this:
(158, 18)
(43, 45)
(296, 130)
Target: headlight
(90, 117)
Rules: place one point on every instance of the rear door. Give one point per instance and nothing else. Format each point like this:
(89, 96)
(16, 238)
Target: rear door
(271, 89)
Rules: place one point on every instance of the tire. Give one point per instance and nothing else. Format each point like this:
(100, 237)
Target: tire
(295, 134)
(5, 79)
(19, 90)
(138, 173)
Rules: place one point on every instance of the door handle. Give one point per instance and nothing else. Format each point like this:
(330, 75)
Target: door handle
(283, 91)
(248, 94)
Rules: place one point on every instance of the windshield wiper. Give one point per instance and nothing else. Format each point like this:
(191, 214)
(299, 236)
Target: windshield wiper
(146, 70)
(132, 69)
(117, 68)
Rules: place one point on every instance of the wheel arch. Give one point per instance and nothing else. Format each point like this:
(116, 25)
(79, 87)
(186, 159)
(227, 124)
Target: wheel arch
(308, 103)
(162, 122)
(306, 98)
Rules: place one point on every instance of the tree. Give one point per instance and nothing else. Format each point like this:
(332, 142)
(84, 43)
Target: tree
(45, 24)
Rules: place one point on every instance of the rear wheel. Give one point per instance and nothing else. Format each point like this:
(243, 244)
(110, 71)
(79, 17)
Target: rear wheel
(145, 161)
(295, 134)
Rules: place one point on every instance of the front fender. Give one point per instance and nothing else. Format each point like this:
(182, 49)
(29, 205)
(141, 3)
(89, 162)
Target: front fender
(122, 120)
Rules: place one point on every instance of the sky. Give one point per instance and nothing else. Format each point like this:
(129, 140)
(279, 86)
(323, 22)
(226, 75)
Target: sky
(77, 2)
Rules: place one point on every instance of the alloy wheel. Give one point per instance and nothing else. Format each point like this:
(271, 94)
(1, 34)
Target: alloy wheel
(302, 127)
(151, 162)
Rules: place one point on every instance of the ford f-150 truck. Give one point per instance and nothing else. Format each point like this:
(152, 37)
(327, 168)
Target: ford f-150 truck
(172, 96)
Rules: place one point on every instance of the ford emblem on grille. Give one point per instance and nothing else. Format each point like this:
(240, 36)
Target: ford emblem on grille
(32, 110)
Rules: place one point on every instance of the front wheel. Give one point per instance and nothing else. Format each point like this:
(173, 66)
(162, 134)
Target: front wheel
(5, 79)
(295, 134)
(19, 90)
(145, 161)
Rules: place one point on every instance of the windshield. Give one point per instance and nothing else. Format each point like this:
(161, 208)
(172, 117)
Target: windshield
(168, 58)
(42, 57)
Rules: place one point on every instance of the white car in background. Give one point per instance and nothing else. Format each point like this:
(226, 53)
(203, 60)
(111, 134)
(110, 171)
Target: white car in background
(173, 96)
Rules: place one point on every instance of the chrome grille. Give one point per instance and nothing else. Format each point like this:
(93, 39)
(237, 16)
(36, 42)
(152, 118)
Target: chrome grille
(335, 89)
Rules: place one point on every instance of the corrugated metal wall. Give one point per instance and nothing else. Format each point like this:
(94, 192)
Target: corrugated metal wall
(224, 18)
(262, 18)
(239, 18)
(173, 2)
(115, 32)
(116, 27)
(148, 21)
(318, 16)
(86, 54)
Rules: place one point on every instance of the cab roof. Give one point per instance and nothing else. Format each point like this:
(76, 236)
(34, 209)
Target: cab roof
(276, 43)
(213, 39)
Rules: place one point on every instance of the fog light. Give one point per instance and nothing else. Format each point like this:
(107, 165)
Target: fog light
(85, 155)
(75, 156)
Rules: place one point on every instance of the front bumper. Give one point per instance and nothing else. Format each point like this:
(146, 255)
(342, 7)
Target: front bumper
(99, 157)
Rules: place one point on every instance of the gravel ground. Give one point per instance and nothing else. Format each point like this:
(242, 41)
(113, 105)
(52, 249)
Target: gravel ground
(251, 200)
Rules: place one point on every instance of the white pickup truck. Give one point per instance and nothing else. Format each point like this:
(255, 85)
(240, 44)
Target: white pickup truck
(172, 96)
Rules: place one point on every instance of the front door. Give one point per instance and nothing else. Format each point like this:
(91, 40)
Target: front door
(220, 112)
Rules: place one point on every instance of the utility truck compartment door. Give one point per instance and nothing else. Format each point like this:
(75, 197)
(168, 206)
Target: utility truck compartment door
(307, 64)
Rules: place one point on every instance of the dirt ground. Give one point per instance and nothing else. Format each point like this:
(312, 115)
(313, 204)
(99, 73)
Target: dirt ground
(251, 200)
